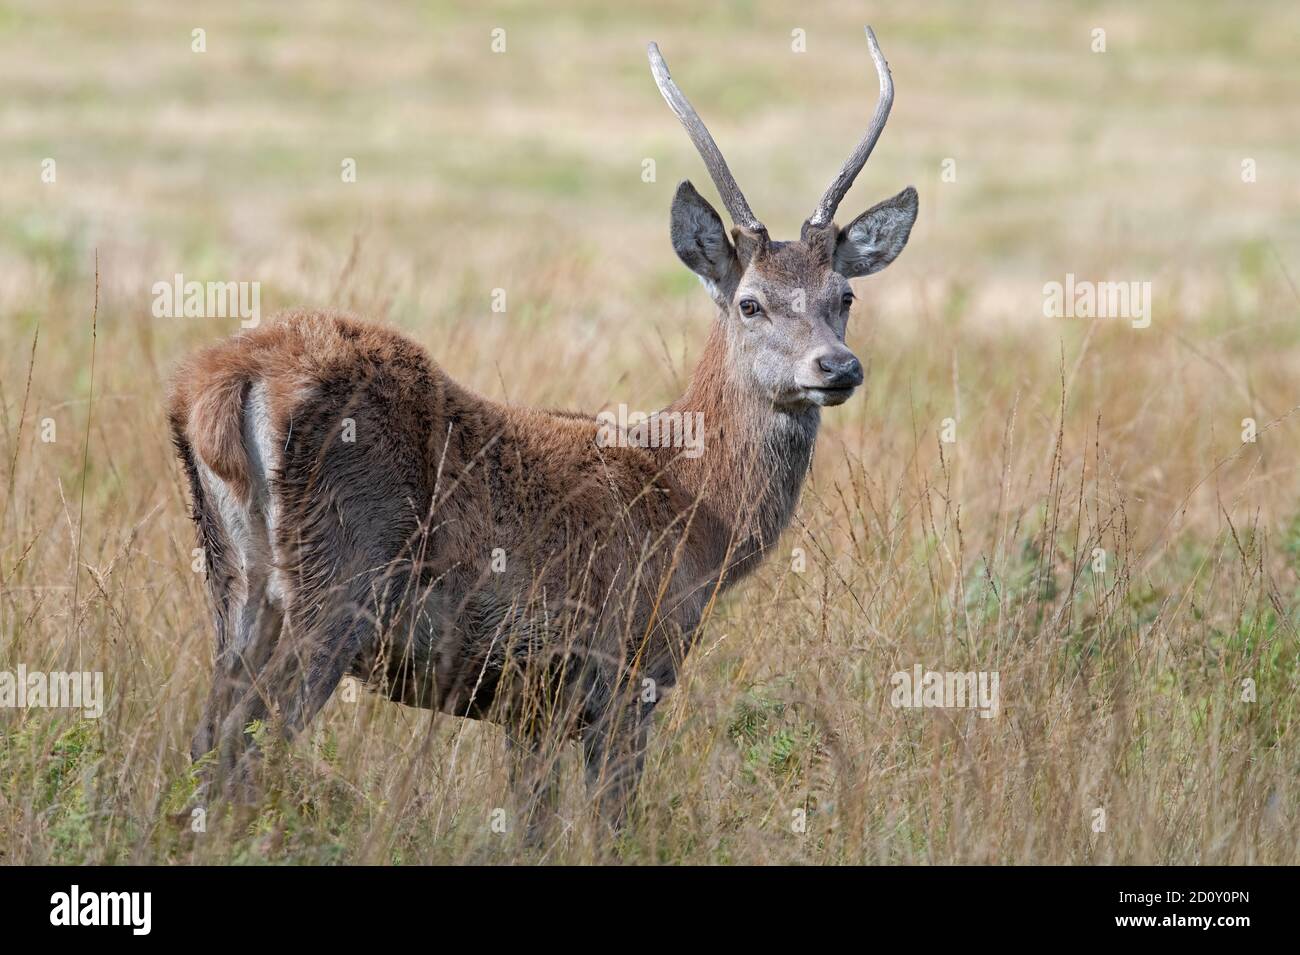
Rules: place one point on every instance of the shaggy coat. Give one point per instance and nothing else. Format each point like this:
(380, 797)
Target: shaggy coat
(362, 513)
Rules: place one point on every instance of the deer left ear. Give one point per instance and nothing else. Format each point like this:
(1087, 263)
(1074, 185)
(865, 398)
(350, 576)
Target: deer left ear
(874, 239)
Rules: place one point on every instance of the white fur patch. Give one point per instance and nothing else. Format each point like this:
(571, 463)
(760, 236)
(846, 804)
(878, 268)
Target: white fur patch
(263, 460)
(250, 527)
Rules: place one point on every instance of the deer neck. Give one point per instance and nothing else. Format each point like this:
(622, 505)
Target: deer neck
(752, 463)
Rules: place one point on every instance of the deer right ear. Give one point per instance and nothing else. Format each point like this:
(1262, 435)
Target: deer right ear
(874, 239)
(700, 240)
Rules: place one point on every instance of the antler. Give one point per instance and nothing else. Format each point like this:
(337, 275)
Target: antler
(825, 211)
(732, 197)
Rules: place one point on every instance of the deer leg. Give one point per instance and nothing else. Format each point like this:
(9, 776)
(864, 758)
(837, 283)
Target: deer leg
(305, 667)
(240, 696)
(257, 625)
(534, 778)
(613, 750)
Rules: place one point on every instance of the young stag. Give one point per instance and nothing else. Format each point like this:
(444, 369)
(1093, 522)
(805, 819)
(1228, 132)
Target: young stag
(361, 513)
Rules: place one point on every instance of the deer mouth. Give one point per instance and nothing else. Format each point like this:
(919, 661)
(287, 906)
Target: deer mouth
(829, 395)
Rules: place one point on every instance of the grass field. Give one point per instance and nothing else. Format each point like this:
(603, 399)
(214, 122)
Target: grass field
(1097, 531)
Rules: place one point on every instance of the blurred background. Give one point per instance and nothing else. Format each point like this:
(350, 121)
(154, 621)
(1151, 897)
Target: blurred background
(523, 169)
(1161, 149)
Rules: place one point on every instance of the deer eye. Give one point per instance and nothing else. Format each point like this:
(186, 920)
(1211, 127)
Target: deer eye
(749, 307)
(847, 301)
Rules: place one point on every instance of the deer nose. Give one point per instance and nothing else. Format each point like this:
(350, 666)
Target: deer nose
(841, 370)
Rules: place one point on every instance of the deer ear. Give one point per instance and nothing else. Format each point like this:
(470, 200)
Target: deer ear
(700, 240)
(874, 239)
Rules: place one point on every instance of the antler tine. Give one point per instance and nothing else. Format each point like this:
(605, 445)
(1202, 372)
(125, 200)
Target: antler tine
(825, 211)
(732, 197)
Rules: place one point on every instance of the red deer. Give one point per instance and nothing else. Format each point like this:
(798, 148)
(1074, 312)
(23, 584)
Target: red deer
(363, 514)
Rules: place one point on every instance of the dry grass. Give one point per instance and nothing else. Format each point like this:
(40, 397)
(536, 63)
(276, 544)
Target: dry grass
(1120, 690)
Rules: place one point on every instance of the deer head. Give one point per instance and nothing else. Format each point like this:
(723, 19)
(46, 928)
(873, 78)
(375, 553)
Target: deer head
(785, 305)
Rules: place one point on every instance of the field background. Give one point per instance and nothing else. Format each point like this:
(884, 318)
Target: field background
(1121, 690)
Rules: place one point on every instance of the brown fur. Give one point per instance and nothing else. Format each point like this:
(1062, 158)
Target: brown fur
(612, 553)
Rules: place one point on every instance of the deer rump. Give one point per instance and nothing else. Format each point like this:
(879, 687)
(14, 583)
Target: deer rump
(362, 514)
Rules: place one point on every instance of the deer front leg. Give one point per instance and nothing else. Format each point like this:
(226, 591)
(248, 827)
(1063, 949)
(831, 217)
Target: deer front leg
(533, 778)
(613, 750)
